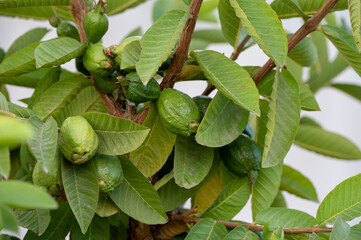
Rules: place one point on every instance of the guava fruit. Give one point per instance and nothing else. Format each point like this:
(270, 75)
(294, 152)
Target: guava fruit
(96, 23)
(109, 172)
(67, 29)
(242, 157)
(80, 66)
(77, 141)
(178, 112)
(96, 62)
(107, 84)
(202, 104)
(135, 91)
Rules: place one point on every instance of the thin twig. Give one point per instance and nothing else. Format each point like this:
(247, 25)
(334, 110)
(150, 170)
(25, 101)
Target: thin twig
(251, 227)
(310, 26)
(181, 52)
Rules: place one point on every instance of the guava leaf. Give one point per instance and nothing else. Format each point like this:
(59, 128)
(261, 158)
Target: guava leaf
(279, 201)
(24, 195)
(8, 219)
(153, 153)
(4, 162)
(57, 51)
(13, 131)
(106, 207)
(223, 122)
(306, 6)
(241, 233)
(82, 103)
(38, 13)
(118, 6)
(142, 202)
(304, 53)
(130, 55)
(28, 38)
(230, 201)
(264, 27)
(81, 189)
(341, 229)
(30, 79)
(23, 61)
(192, 162)
(59, 95)
(44, 142)
(29, 3)
(293, 4)
(350, 89)
(158, 43)
(294, 182)
(318, 140)
(354, 232)
(61, 222)
(266, 188)
(210, 35)
(207, 229)
(35, 220)
(21, 112)
(117, 136)
(98, 229)
(285, 217)
(161, 7)
(343, 201)
(229, 78)
(354, 7)
(287, 117)
(345, 44)
(230, 23)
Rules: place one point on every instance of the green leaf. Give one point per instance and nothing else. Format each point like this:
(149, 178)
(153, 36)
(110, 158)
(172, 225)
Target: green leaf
(153, 153)
(160, 7)
(279, 201)
(38, 13)
(13, 192)
(118, 6)
(266, 31)
(345, 44)
(57, 51)
(142, 201)
(266, 188)
(28, 38)
(28, 3)
(130, 55)
(13, 131)
(343, 201)
(61, 222)
(44, 142)
(106, 207)
(59, 95)
(307, 6)
(230, 23)
(293, 4)
(294, 182)
(287, 117)
(22, 61)
(285, 217)
(207, 229)
(229, 78)
(308, 100)
(354, 232)
(304, 53)
(117, 136)
(210, 35)
(4, 162)
(340, 230)
(8, 219)
(241, 233)
(350, 89)
(354, 7)
(3, 103)
(81, 190)
(158, 42)
(223, 122)
(99, 229)
(30, 79)
(20, 112)
(82, 103)
(230, 201)
(35, 220)
(327, 143)
(192, 162)
(173, 195)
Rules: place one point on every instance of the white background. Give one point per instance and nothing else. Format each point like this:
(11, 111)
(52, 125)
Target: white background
(339, 112)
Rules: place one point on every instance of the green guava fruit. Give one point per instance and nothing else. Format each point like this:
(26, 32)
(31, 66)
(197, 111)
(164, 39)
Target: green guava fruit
(50, 180)
(135, 91)
(80, 66)
(78, 142)
(242, 157)
(96, 24)
(178, 112)
(67, 29)
(96, 62)
(54, 21)
(107, 84)
(2, 54)
(202, 104)
(109, 172)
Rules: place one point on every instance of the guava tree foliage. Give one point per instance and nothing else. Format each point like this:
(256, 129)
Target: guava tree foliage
(112, 151)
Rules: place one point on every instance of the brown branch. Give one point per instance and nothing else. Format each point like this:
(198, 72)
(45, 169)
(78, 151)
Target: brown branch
(79, 10)
(310, 26)
(252, 227)
(181, 52)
